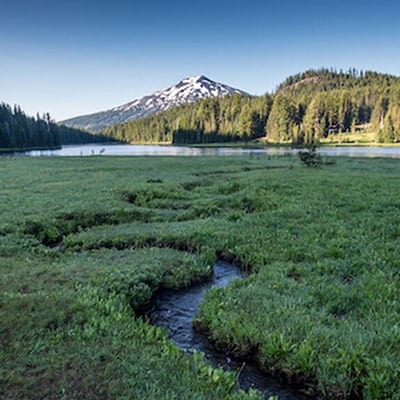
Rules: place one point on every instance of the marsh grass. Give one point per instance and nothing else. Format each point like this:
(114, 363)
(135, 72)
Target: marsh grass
(86, 242)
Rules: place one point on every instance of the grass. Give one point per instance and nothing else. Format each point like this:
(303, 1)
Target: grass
(363, 136)
(86, 242)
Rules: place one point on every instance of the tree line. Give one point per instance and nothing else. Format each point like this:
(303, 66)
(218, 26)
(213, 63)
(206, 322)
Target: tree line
(305, 108)
(21, 132)
(224, 119)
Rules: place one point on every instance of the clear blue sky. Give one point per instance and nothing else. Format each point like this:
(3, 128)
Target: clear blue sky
(79, 56)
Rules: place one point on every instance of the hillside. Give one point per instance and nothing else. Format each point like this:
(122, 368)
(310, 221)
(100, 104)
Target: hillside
(233, 117)
(324, 80)
(306, 107)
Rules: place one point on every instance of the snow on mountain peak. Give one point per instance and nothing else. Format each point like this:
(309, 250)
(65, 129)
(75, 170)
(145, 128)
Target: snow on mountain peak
(198, 78)
(186, 91)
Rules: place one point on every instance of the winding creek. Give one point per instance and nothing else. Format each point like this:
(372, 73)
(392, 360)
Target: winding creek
(174, 310)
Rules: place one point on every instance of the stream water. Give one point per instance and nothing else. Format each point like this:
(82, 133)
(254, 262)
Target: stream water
(174, 310)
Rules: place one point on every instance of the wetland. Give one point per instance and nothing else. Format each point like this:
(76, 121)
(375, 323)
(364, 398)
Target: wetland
(87, 242)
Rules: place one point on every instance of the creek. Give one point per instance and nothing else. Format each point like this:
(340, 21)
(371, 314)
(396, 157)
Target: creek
(175, 310)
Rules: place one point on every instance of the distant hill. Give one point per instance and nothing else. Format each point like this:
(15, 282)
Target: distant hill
(323, 80)
(316, 103)
(186, 91)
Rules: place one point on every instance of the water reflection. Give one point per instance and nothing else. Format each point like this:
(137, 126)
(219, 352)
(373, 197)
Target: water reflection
(159, 150)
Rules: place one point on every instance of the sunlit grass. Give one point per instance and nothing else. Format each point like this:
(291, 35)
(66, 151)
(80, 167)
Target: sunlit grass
(86, 242)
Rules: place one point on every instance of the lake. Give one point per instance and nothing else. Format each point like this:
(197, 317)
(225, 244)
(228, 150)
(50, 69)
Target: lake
(169, 150)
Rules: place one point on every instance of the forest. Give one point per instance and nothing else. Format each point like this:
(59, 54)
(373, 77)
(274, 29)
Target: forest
(21, 132)
(305, 108)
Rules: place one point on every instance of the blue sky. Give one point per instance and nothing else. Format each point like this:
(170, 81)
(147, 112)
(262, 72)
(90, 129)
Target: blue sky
(76, 57)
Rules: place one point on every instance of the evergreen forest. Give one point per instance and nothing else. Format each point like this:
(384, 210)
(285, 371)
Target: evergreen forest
(21, 132)
(305, 108)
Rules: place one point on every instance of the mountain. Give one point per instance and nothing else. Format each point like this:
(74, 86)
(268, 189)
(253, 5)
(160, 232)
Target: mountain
(186, 91)
(311, 106)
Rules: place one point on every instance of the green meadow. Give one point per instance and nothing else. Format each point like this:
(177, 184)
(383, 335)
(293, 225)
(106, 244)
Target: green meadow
(86, 242)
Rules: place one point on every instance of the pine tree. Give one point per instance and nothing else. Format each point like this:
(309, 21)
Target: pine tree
(281, 119)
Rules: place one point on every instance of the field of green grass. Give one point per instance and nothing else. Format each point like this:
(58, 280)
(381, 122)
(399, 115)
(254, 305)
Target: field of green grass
(86, 242)
(361, 138)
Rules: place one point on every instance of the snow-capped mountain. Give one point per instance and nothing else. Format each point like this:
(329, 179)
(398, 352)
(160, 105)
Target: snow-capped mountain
(186, 91)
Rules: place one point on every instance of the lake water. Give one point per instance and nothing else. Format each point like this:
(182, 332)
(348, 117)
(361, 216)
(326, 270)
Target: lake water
(168, 150)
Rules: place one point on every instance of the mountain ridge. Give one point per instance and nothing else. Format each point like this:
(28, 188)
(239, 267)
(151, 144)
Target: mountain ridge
(187, 90)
